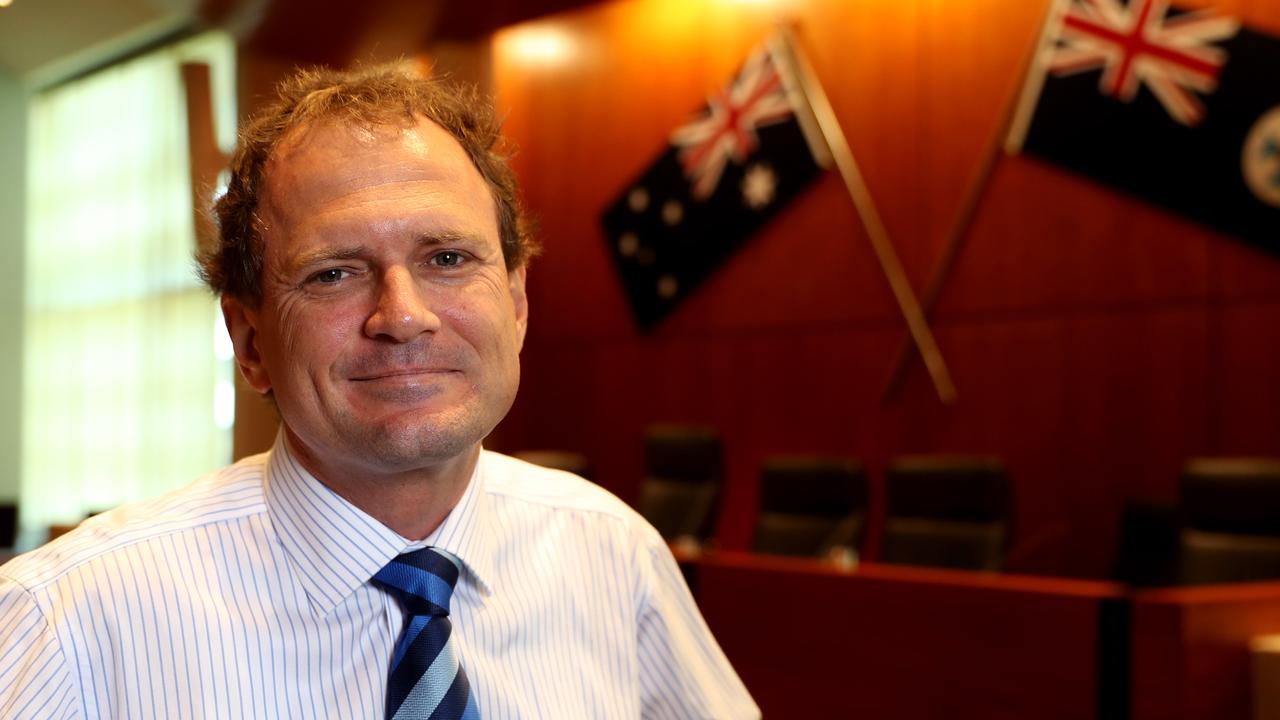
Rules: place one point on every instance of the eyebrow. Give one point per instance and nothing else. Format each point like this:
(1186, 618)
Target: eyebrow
(326, 255)
(448, 238)
(354, 252)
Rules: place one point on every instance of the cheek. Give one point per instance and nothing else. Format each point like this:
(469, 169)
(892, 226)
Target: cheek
(485, 318)
(312, 338)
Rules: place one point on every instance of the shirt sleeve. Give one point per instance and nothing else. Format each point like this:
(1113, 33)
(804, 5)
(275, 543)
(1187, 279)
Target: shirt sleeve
(35, 681)
(683, 671)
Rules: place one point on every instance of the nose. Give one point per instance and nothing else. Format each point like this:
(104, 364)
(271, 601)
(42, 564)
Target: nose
(402, 312)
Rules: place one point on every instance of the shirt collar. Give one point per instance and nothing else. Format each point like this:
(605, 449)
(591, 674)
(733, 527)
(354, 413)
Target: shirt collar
(467, 531)
(336, 547)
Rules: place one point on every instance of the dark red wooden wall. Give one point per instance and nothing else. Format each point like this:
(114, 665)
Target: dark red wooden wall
(1096, 342)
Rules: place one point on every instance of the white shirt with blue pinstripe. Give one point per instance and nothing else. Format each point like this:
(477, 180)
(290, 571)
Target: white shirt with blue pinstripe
(247, 595)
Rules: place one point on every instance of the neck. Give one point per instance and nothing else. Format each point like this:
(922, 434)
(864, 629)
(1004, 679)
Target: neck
(411, 502)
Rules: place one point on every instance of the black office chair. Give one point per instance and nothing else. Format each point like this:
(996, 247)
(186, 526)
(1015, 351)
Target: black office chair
(946, 511)
(568, 460)
(811, 506)
(1147, 544)
(8, 525)
(1230, 521)
(684, 469)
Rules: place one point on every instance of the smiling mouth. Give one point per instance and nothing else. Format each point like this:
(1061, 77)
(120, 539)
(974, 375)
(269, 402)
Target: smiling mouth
(404, 374)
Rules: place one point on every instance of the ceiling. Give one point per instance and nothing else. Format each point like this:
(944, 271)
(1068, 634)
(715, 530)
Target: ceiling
(45, 41)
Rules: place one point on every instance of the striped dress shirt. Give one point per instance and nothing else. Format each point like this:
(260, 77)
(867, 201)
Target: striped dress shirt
(247, 595)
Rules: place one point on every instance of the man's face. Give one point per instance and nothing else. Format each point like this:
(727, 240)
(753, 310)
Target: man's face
(389, 329)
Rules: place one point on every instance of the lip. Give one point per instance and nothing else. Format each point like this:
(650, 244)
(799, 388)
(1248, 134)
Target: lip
(401, 373)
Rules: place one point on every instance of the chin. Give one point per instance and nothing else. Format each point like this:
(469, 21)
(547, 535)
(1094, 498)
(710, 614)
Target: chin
(391, 437)
(404, 444)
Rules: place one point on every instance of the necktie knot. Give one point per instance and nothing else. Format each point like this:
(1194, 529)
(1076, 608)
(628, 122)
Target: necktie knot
(422, 580)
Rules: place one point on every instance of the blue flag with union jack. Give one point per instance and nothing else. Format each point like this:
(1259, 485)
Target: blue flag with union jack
(1179, 108)
(721, 176)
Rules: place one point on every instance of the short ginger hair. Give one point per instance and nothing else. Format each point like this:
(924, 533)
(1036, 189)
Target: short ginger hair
(383, 95)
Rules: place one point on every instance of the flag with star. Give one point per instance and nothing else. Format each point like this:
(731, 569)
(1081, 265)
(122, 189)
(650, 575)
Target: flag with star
(1179, 108)
(722, 175)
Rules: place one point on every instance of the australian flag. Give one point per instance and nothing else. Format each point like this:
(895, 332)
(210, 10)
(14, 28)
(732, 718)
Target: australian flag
(722, 176)
(1179, 108)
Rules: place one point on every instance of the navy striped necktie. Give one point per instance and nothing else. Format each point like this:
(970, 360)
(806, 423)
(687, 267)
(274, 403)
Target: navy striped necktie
(425, 682)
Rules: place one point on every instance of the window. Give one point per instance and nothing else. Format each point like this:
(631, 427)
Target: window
(126, 382)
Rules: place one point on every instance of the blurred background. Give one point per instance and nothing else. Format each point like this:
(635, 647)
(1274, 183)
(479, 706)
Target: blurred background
(1102, 491)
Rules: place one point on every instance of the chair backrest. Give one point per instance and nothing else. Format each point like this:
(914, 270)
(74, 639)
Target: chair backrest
(810, 506)
(1229, 520)
(684, 468)
(8, 525)
(1147, 546)
(946, 511)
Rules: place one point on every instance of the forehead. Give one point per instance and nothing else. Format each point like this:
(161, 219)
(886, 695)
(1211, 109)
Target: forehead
(327, 167)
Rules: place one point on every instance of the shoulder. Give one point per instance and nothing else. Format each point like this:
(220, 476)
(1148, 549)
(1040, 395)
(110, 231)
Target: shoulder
(538, 489)
(224, 495)
(539, 513)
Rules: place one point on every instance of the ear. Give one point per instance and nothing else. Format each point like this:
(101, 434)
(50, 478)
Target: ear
(515, 282)
(242, 326)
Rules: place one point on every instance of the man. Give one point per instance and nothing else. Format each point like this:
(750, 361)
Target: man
(376, 562)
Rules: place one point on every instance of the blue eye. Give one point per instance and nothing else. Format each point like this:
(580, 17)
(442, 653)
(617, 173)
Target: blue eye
(447, 259)
(330, 276)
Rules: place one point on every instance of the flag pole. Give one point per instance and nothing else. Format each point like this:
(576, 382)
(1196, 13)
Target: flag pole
(833, 135)
(1014, 106)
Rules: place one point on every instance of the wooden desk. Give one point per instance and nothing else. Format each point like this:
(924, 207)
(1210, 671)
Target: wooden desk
(1191, 649)
(887, 642)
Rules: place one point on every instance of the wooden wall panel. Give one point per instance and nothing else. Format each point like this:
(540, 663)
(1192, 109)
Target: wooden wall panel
(1047, 241)
(1096, 341)
(1247, 421)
